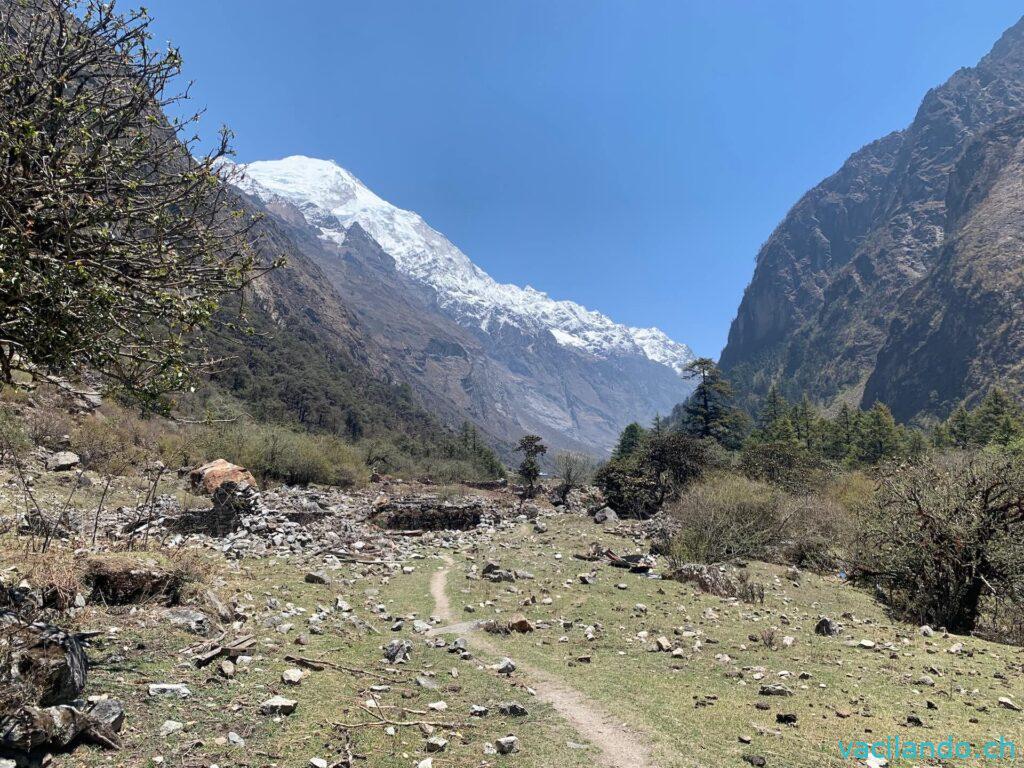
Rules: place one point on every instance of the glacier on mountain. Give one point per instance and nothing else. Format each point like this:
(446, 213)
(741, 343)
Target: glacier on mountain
(332, 199)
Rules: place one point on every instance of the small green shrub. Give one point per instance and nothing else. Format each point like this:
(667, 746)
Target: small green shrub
(656, 472)
(276, 453)
(727, 517)
(105, 445)
(13, 440)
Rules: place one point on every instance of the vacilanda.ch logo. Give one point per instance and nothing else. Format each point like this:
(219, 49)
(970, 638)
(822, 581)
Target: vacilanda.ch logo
(951, 748)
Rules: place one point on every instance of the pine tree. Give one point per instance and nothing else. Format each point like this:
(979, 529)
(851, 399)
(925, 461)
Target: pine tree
(841, 438)
(1007, 431)
(709, 412)
(961, 427)
(629, 441)
(774, 408)
(780, 430)
(658, 424)
(941, 436)
(997, 414)
(880, 437)
(803, 417)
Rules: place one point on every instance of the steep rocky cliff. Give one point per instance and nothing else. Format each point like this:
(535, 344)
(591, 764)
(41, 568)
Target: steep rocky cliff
(897, 278)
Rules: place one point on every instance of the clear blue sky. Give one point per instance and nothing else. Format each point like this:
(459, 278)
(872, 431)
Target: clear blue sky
(630, 155)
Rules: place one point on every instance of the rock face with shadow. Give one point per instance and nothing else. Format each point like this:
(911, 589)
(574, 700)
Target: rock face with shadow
(898, 278)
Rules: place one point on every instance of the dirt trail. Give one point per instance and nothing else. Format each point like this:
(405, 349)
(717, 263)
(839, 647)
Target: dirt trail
(619, 746)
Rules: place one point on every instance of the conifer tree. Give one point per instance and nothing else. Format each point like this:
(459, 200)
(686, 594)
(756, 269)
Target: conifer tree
(803, 417)
(780, 430)
(961, 427)
(880, 437)
(709, 412)
(996, 414)
(629, 441)
(774, 408)
(843, 439)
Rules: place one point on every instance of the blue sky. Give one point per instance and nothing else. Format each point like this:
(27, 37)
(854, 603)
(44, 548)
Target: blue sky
(629, 155)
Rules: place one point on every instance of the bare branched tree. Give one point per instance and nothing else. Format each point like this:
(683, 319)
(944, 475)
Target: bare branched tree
(118, 235)
(946, 536)
(574, 470)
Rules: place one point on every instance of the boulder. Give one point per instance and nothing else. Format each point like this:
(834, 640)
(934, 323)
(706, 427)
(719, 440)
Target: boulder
(278, 705)
(397, 651)
(62, 461)
(209, 477)
(51, 661)
(826, 627)
(507, 745)
(188, 619)
(512, 709)
(52, 728)
(606, 515)
(519, 623)
(110, 713)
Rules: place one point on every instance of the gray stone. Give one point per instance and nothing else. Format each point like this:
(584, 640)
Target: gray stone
(62, 461)
(110, 713)
(507, 745)
(278, 705)
(170, 690)
(188, 619)
(436, 744)
(606, 515)
(826, 627)
(170, 727)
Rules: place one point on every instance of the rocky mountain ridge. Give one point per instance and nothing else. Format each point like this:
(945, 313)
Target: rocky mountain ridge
(509, 359)
(893, 279)
(332, 199)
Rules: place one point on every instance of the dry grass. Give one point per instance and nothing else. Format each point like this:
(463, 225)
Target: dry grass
(56, 574)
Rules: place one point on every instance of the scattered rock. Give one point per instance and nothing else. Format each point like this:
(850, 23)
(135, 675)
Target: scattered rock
(1007, 703)
(512, 709)
(436, 744)
(278, 705)
(171, 727)
(108, 712)
(507, 745)
(62, 461)
(826, 627)
(170, 690)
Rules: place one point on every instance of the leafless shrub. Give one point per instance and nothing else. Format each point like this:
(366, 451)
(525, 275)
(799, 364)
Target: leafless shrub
(574, 470)
(750, 591)
(769, 637)
(48, 426)
(727, 517)
(945, 538)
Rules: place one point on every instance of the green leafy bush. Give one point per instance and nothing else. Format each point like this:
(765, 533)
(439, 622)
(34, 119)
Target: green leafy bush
(783, 463)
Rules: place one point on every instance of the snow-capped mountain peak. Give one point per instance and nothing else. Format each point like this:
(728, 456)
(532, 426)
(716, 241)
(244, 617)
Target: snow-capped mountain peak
(332, 199)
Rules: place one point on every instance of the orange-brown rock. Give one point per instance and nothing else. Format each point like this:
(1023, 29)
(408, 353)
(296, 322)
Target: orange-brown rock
(209, 477)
